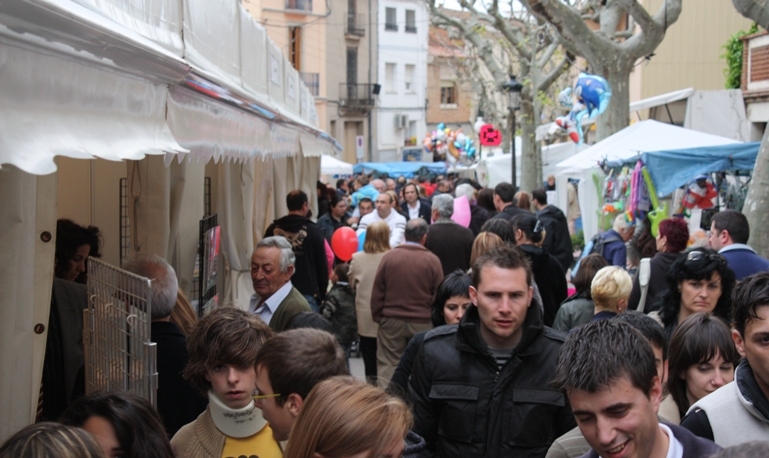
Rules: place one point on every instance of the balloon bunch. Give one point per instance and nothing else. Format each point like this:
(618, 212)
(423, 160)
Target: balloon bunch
(451, 145)
(590, 97)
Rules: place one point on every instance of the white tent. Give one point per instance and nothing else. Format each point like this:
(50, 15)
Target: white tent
(641, 137)
(329, 165)
(496, 169)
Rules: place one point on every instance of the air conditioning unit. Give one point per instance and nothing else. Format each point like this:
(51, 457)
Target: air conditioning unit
(398, 122)
(404, 121)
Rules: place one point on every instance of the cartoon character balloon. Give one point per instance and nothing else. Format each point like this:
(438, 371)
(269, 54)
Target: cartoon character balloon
(590, 97)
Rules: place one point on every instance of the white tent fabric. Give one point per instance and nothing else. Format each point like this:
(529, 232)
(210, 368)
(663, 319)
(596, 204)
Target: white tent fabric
(638, 138)
(253, 64)
(330, 165)
(76, 111)
(26, 270)
(160, 21)
(494, 170)
(275, 77)
(212, 37)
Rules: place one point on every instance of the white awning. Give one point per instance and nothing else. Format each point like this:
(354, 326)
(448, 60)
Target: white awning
(114, 79)
(543, 131)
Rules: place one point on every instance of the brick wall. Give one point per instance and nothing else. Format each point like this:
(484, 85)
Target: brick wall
(436, 114)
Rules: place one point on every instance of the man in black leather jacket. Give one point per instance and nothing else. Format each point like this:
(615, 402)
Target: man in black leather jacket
(481, 389)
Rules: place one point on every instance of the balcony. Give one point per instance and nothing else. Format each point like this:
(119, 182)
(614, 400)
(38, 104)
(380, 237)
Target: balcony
(312, 81)
(411, 28)
(391, 26)
(356, 25)
(355, 99)
(299, 5)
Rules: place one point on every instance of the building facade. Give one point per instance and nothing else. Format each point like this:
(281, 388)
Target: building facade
(400, 113)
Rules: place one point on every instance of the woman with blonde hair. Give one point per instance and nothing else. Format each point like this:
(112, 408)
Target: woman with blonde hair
(345, 418)
(363, 267)
(51, 440)
(485, 241)
(523, 200)
(183, 315)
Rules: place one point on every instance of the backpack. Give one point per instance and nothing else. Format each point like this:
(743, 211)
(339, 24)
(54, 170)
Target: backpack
(595, 245)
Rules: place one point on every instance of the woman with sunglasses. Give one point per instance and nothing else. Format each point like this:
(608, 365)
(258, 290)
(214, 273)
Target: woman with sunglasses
(698, 281)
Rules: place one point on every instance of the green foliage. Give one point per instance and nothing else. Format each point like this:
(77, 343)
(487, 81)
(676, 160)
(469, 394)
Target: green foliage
(578, 240)
(733, 56)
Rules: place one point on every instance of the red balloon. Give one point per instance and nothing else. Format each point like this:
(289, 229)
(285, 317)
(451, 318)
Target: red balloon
(344, 242)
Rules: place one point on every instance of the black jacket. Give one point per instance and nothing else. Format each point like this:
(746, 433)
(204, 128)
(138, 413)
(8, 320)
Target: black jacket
(550, 279)
(557, 237)
(510, 212)
(478, 216)
(311, 268)
(465, 407)
(178, 402)
(425, 210)
(328, 225)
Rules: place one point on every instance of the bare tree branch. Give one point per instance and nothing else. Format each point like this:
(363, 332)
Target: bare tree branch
(547, 81)
(757, 10)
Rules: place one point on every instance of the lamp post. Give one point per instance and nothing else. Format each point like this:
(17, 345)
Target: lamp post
(513, 89)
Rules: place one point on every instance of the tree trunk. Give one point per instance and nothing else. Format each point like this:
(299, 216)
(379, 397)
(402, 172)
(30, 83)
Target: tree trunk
(528, 146)
(617, 116)
(756, 207)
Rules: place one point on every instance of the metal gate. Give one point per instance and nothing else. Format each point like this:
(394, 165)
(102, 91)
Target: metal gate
(116, 333)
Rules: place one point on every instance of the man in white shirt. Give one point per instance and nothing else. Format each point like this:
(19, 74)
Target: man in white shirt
(607, 370)
(276, 301)
(384, 212)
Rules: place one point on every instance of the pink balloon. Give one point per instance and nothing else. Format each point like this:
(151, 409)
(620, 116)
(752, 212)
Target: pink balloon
(461, 214)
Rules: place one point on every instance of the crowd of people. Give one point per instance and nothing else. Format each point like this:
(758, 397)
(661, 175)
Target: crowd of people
(471, 342)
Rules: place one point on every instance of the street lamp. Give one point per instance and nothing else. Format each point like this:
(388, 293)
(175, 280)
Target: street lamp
(513, 89)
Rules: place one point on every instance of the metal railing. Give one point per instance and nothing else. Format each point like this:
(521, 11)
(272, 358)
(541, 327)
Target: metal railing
(356, 24)
(300, 5)
(411, 28)
(356, 95)
(116, 333)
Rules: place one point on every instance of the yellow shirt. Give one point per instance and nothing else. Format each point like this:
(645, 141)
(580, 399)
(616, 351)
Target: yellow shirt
(260, 445)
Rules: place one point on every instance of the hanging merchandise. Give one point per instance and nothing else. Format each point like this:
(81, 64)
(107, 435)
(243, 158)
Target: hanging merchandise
(450, 145)
(700, 193)
(659, 212)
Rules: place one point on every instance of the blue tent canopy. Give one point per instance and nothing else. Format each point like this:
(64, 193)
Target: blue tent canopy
(396, 169)
(671, 169)
(674, 168)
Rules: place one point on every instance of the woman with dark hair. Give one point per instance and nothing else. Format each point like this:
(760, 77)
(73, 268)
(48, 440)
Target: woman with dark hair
(74, 245)
(124, 424)
(63, 376)
(672, 237)
(451, 301)
(335, 218)
(702, 359)
(548, 273)
(698, 281)
(501, 227)
(579, 308)
(485, 200)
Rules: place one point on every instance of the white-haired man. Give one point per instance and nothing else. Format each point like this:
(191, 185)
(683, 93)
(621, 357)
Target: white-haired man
(275, 299)
(614, 249)
(178, 402)
(446, 239)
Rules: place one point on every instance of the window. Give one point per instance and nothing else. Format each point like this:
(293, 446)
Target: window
(352, 65)
(389, 78)
(409, 78)
(294, 47)
(448, 94)
(302, 5)
(411, 21)
(391, 19)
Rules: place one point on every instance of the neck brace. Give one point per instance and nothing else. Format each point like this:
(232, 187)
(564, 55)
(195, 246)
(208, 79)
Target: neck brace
(236, 423)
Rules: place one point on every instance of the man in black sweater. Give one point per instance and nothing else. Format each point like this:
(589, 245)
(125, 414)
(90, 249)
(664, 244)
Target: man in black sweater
(306, 238)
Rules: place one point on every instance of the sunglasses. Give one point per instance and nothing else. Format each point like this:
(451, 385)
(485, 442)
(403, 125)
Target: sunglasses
(696, 256)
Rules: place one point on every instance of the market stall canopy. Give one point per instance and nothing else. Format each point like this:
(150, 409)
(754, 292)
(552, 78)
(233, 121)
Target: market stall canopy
(396, 169)
(671, 169)
(491, 171)
(330, 165)
(120, 79)
(644, 136)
